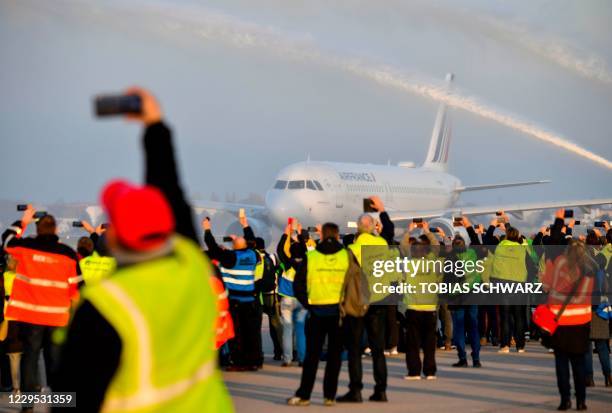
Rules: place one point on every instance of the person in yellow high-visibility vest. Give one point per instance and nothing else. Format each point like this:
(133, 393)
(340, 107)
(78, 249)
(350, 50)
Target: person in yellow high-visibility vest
(368, 248)
(318, 286)
(143, 340)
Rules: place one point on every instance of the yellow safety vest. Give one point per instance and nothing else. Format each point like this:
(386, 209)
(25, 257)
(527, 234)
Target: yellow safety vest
(165, 313)
(424, 301)
(509, 262)
(325, 276)
(363, 240)
(95, 267)
(607, 254)
(9, 278)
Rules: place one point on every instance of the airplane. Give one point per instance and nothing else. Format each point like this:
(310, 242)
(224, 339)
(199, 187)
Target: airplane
(315, 192)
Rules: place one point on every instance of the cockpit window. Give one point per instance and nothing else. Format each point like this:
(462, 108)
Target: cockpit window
(318, 185)
(280, 185)
(296, 185)
(311, 185)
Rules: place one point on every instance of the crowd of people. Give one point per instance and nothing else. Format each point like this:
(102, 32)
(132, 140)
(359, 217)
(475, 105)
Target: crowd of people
(140, 316)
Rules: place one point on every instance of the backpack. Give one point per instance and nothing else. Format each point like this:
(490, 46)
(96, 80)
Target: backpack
(355, 299)
(268, 280)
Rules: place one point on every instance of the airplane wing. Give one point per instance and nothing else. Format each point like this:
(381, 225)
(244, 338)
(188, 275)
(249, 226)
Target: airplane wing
(231, 207)
(515, 209)
(496, 186)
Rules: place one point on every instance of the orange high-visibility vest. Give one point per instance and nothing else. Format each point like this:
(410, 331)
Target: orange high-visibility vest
(44, 285)
(225, 325)
(578, 311)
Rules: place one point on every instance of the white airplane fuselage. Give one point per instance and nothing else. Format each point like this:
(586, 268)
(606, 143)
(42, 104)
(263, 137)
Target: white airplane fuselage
(319, 192)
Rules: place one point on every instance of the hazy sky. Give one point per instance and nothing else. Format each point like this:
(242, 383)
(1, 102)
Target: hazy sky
(250, 86)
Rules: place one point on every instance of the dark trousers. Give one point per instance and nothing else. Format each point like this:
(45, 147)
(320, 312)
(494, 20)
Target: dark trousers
(487, 322)
(460, 314)
(562, 367)
(375, 323)
(421, 333)
(317, 328)
(270, 308)
(245, 347)
(393, 327)
(507, 315)
(36, 338)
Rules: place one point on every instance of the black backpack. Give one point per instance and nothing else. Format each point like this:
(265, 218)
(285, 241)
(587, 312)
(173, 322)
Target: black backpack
(268, 280)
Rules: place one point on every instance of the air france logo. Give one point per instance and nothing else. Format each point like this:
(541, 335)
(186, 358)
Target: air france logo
(357, 176)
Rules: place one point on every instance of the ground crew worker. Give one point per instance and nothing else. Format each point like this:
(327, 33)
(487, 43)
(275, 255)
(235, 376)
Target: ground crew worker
(375, 321)
(291, 254)
(510, 266)
(96, 265)
(571, 273)
(44, 287)
(142, 340)
(266, 271)
(421, 309)
(318, 286)
(225, 326)
(237, 268)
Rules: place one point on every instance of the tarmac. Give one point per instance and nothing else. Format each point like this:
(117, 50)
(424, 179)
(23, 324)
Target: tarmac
(506, 383)
(510, 382)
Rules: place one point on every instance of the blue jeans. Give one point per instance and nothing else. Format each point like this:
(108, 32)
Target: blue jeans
(459, 315)
(604, 357)
(293, 318)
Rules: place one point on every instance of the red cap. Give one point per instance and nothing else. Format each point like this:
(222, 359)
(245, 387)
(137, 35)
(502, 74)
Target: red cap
(140, 215)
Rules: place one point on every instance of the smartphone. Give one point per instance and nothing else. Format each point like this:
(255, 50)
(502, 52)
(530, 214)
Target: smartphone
(577, 223)
(599, 224)
(110, 105)
(368, 205)
(39, 214)
(457, 221)
(498, 213)
(77, 224)
(434, 229)
(569, 213)
(477, 227)
(105, 225)
(227, 239)
(312, 229)
(22, 207)
(241, 213)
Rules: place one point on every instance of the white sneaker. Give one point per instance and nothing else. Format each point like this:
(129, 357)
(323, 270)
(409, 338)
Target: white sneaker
(412, 377)
(504, 349)
(431, 378)
(387, 353)
(367, 351)
(296, 401)
(520, 350)
(394, 352)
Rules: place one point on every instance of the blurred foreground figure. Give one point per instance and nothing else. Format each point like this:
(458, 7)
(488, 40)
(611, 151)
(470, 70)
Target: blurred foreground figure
(143, 339)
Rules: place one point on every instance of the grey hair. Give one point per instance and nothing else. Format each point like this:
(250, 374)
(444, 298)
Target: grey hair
(365, 224)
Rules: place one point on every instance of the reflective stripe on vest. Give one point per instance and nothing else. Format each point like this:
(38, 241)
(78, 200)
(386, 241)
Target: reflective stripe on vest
(43, 282)
(509, 263)
(578, 311)
(325, 276)
(168, 361)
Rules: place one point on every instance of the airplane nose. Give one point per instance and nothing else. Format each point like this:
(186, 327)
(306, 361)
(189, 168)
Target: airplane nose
(280, 206)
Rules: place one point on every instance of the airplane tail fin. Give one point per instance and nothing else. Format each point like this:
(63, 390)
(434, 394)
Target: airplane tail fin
(437, 156)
